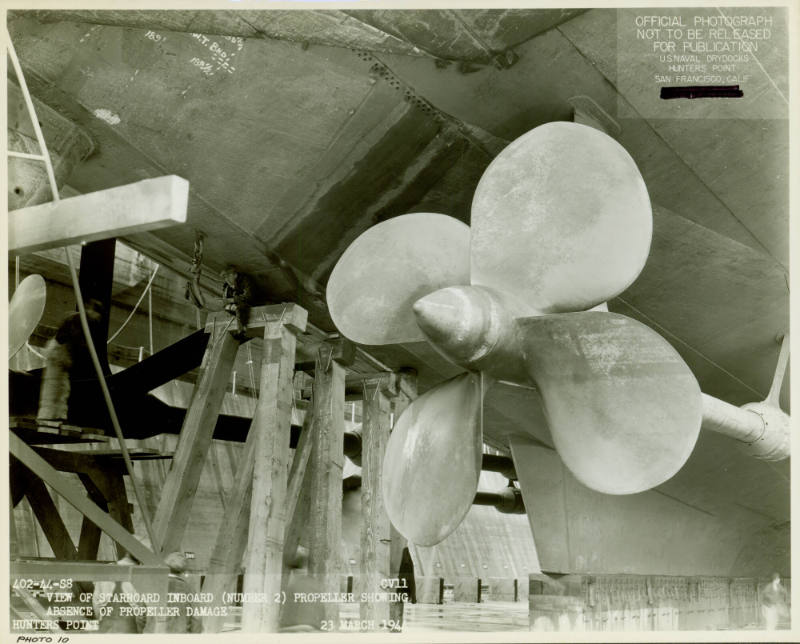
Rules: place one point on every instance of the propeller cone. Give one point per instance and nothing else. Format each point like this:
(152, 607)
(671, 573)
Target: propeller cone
(24, 311)
(623, 407)
(561, 219)
(389, 267)
(433, 461)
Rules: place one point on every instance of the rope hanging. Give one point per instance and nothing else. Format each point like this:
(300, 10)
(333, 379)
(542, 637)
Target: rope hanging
(133, 311)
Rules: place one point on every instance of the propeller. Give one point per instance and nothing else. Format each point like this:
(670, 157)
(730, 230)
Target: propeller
(561, 222)
(561, 218)
(455, 447)
(626, 408)
(24, 311)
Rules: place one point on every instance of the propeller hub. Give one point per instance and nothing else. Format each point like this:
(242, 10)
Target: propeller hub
(463, 322)
(473, 327)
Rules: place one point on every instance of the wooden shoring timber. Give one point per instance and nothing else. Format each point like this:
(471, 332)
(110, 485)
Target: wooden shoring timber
(76, 497)
(297, 474)
(53, 526)
(271, 427)
(134, 208)
(298, 522)
(375, 525)
(297, 502)
(89, 541)
(95, 282)
(177, 495)
(12, 531)
(232, 536)
(49, 519)
(231, 542)
(407, 392)
(163, 366)
(19, 477)
(325, 475)
(112, 486)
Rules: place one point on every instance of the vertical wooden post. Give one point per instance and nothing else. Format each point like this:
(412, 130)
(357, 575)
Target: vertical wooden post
(175, 504)
(272, 425)
(325, 476)
(232, 537)
(375, 525)
(406, 393)
(107, 489)
(89, 541)
(96, 274)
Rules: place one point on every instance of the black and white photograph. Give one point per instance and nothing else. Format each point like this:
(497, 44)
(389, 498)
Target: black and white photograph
(399, 321)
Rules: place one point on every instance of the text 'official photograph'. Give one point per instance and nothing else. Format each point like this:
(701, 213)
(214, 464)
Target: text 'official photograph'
(328, 319)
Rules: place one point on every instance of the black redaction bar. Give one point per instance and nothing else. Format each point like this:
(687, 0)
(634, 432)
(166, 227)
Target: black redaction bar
(702, 91)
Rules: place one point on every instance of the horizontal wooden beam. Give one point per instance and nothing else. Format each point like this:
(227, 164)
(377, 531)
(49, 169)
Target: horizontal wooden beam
(89, 461)
(290, 314)
(133, 208)
(78, 499)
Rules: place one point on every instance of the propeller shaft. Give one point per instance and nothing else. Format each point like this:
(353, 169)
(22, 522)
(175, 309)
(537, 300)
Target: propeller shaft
(763, 429)
(507, 500)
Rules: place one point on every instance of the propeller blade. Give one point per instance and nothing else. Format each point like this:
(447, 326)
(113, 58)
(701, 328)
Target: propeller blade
(623, 407)
(388, 268)
(24, 311)
(433, 461)
(561, 219)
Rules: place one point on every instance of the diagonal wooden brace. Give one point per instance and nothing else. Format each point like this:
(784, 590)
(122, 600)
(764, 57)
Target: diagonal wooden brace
(177, 496)
(77, 498)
